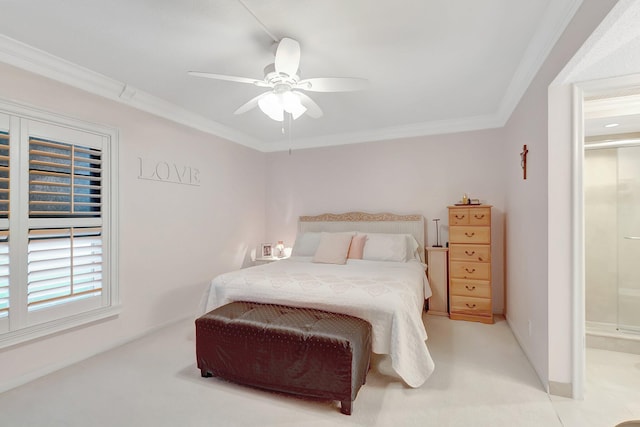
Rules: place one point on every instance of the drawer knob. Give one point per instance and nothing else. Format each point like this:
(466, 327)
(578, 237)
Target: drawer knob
(460, 216)
(470, 305)
(466, 233)
(470, 288)
(479, 216)
(470, 271)
(472, 253)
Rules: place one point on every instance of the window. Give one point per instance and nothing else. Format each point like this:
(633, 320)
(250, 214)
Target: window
(58, 235)
(4, 223)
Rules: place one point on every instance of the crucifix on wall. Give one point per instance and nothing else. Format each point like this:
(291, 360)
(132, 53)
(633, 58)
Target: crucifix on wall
(523, 161)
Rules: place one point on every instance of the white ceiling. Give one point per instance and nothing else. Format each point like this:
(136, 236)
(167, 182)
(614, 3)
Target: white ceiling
(621, 108)
(434, 65)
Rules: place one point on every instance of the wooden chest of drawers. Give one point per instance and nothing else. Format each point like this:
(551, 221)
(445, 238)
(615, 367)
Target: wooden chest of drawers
(470, 263)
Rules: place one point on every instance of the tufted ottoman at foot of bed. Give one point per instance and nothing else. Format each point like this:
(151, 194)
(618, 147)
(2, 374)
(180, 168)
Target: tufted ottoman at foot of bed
(302, 351)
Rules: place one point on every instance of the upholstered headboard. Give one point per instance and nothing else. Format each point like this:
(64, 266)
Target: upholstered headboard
(365, 222)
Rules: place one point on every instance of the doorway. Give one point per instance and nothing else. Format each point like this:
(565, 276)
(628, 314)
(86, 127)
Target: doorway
(612, 242)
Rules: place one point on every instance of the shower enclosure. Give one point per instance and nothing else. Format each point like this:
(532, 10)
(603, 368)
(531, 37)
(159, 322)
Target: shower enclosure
(612, 239)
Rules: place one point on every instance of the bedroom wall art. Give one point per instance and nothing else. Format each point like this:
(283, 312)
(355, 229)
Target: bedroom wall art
(523, 161)
(168, 172)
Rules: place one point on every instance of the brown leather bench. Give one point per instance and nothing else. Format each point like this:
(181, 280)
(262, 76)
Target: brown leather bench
(296, 350)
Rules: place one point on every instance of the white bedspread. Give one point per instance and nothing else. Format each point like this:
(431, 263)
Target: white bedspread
(388, 295)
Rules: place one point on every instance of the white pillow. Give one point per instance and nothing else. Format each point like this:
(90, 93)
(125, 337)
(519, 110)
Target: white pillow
(385, 247)
(412, 248)
(306, 244)
(333, 248)
(390, 247)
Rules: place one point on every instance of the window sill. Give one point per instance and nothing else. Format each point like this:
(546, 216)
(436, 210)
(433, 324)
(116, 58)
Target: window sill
(30, 333)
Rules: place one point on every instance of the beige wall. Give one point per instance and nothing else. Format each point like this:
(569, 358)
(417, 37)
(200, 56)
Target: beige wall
(538, 248)
(173, 238)
(167, 258)
(416, 175)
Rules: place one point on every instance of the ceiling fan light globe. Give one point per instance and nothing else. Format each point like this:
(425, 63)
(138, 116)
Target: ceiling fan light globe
(271, 105)
(292, 104)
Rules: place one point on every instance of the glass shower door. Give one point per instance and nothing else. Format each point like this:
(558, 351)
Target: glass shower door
(629, 239)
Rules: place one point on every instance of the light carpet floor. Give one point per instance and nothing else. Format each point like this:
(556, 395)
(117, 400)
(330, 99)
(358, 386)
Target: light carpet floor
(482, 378)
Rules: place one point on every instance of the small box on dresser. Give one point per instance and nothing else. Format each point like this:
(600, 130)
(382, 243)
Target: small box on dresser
(470, 263)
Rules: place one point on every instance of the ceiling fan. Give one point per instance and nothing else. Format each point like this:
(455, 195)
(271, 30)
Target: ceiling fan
(286, 94)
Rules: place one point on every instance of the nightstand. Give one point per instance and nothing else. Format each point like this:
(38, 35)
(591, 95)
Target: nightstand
(437, 274)
(267, 260)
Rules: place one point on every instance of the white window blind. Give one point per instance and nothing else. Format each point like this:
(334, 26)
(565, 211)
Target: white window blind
(4, 174)
(64, 180)
(58, 223)
(4, 273)
(65, 264)
(4, 231)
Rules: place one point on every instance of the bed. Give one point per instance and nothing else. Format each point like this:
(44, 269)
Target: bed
(385, 288)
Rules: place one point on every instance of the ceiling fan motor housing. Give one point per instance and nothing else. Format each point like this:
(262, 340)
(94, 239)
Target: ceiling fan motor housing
(272, 77)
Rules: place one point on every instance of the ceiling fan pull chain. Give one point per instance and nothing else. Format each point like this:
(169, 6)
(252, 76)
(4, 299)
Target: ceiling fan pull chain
(290, 124)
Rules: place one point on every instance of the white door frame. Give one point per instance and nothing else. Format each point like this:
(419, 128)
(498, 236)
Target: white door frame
(578, 341)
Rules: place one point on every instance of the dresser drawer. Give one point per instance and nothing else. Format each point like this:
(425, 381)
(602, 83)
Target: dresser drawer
(470, 270)
(470, 252)
(470, 234)
(471, 288)
(470, 305)
(459, 216)
(480, 216)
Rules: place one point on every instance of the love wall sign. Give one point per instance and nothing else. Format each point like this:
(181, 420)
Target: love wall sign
(167, 171)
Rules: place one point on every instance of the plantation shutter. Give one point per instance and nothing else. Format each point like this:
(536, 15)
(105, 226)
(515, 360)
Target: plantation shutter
(4, 175)
(65, 264)
(65, 189)
(64, 180)
(4, 273)
(4, 225)
(58, 223)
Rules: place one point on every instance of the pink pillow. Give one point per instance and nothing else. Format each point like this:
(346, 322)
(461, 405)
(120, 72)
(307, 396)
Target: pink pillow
(357, 246)
(333, 248)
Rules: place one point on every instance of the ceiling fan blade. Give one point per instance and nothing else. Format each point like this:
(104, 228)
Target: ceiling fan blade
(251, 104)
(227, 78)
(313, 109)
(333, 84)
(288, 57)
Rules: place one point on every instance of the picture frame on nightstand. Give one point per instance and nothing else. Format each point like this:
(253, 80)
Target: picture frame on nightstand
(266, 250)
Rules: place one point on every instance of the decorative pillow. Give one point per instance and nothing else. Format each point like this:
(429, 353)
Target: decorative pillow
(357, 246)
(333, 248)
(306, 244)
(385, 247)
(390, 247)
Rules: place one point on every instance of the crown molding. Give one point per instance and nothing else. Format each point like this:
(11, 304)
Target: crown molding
(617, 29)
(23, 56)
(557, 16)
(440, 127)
(40, 62)
(555, 21)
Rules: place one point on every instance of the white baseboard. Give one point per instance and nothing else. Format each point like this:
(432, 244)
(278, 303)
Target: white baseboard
(543, 381)
(561, 389)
